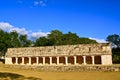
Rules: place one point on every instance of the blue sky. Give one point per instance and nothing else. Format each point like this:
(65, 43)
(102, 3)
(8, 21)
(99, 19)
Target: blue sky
(95, 19)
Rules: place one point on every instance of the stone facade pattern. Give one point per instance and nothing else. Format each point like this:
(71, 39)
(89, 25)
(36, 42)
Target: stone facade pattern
(80, 49)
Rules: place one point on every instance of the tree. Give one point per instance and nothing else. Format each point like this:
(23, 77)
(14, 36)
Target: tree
(116, 55)
(4, 42)
(24, 41)
(86, 41)
(56, 37)
(43, 41)
(114, 39)
(70, 38)
(14, 39)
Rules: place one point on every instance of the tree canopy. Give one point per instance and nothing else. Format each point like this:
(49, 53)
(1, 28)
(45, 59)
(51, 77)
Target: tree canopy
(56, 37)
(12, 40)
(115, 40)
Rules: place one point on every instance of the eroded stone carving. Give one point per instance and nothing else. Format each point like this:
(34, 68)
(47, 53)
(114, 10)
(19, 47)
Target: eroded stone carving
(81, 49)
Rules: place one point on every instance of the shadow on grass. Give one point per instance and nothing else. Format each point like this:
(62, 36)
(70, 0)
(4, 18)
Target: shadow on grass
(13, 76)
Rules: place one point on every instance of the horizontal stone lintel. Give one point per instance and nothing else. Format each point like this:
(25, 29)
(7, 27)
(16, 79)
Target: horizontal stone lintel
(55, 55)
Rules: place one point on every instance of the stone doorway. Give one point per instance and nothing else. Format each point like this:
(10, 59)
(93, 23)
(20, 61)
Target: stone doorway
(88, 59)
(13, 60)
(33, 60)
(26, 60)
(79, 59)
(47, 60)
(97, 59)
(54, 60)
(40, 60)
(19, 60)
(70, 60)
(62, 60)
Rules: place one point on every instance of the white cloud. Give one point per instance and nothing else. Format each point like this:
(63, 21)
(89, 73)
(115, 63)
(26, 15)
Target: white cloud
(98, 40)
(5, 26)
(9, 28)
(19, 30)
(39, 34)
(40, 3)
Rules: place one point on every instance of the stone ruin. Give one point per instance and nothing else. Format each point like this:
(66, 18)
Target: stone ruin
(81, 54)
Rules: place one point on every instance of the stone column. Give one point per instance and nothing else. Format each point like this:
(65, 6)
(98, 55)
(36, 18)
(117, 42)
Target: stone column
(93, 60)
(84, 60)
(58, 60)
(37, 60)
(66, 60)
(30, 60)
(16, 59)
(75, 60)
(50, 60)
(22, 60)
(43, 60)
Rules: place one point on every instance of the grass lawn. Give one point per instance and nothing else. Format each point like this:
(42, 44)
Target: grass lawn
(17, 74)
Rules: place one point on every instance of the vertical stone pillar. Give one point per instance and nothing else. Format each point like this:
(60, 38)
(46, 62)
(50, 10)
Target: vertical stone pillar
(84, 60)
(93, 60)
(37, 60)
(16, 59)
(22, 60)
(75, 60)
(30, 60)
(57, 60)
(50, 60)
(43, 60)
(66, 60)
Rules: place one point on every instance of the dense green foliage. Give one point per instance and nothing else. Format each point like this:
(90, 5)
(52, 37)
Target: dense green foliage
(12, 40)
(115, 40)
(116, 55)
(56, 37)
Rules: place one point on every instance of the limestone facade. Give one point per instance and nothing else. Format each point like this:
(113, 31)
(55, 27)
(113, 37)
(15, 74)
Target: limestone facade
(81, 54)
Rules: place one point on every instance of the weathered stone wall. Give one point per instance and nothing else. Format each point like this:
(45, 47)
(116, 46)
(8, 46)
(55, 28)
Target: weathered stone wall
(67, 68)
(106, 59)
(84, 49)
(8, 60)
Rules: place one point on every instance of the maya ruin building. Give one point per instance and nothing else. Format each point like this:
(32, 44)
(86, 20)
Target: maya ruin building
(81, 54)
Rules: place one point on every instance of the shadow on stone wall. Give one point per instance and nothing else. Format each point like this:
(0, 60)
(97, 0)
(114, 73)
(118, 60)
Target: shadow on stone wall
(13, 76)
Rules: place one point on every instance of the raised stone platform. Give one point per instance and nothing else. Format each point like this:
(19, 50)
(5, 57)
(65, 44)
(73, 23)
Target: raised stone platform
(68, 68)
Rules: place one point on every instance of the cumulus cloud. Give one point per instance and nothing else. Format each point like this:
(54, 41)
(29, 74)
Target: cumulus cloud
(5, 26)
(9, 28)
(39, 34)
(39, 3)
(98, 40)
(19, 30)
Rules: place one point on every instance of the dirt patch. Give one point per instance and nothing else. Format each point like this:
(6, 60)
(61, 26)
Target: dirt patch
(7, 73)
